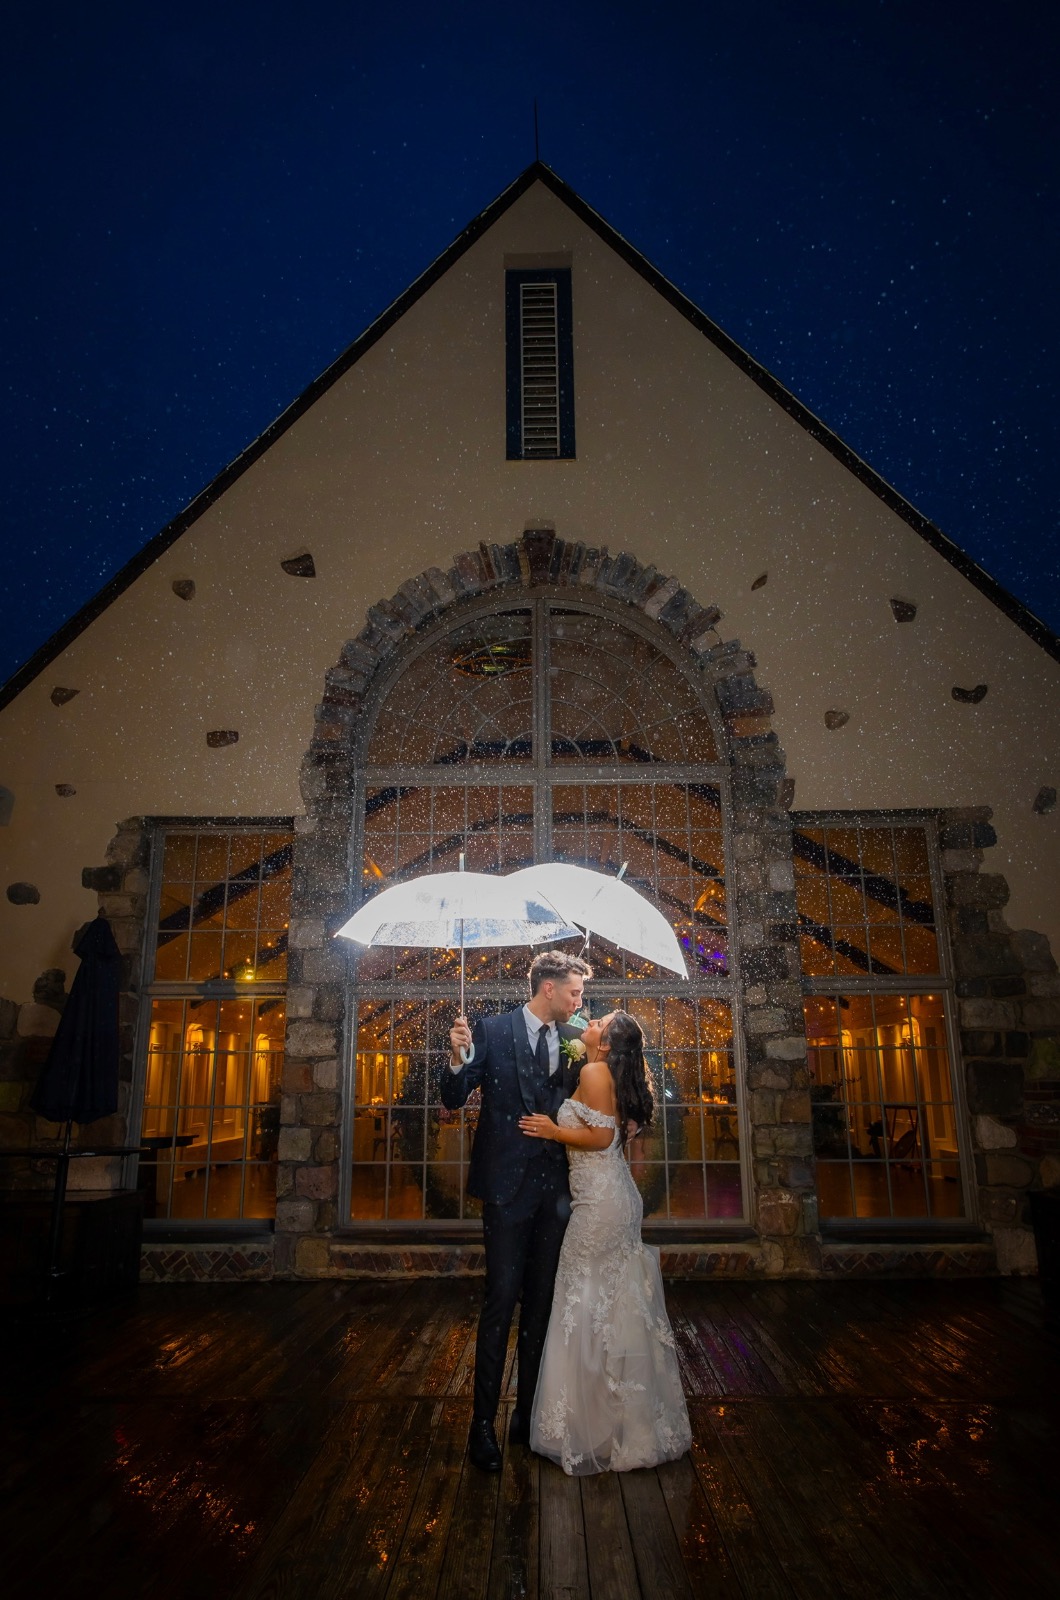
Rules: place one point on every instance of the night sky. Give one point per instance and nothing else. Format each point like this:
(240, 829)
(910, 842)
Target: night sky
(208, 202)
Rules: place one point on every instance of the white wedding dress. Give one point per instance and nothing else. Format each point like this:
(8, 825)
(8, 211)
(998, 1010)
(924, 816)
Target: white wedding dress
(609, 1393)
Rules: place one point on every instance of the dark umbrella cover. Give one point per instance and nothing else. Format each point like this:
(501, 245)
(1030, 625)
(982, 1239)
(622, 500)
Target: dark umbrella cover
(80, 1078)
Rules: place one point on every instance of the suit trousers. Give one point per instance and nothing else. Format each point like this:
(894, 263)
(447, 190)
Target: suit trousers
(522, 1240)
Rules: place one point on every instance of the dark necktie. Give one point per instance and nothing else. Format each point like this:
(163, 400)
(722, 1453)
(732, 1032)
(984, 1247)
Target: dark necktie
(544, 1084)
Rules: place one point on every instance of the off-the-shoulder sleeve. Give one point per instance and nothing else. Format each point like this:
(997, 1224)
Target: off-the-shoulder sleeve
(594, 1119)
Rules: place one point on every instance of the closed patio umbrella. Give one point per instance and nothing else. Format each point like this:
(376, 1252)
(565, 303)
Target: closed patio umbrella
(79, 1082)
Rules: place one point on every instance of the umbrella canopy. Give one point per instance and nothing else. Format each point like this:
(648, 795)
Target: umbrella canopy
(458, 911)
(600, 903)
(79, 1082)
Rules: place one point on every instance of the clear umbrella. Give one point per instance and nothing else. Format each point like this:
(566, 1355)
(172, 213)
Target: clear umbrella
(458, 911)
(600, 903)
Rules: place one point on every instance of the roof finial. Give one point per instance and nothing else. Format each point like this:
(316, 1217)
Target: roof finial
(537, 147)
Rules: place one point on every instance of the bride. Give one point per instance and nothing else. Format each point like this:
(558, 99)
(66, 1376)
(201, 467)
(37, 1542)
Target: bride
(609, 1393)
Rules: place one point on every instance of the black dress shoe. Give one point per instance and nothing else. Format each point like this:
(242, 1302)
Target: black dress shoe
(518, 1430)
(482, 1446)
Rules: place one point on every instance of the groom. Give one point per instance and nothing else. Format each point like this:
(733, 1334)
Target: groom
(518, 1062)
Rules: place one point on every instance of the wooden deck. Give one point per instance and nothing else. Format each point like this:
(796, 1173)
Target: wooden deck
(282, 1440)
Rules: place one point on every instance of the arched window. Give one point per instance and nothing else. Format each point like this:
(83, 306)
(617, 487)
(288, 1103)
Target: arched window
(545, 728)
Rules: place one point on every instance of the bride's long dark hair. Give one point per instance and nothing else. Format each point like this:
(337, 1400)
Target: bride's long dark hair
(625, 1061)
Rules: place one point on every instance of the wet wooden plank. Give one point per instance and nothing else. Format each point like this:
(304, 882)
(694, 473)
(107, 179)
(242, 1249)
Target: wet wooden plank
(610, 1561)
(741, 1308)
(818, 1482)
(465, 1572)
(790, 1538)
(298, 1553)
(564, 1572)
(660, 1568)
(514, 1564)
(416, 1564)
(870, 1477)
(707, 1565)
(757, 1568)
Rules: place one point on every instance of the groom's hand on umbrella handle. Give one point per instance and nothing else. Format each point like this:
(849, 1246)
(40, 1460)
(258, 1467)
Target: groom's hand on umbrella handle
(460, 1041)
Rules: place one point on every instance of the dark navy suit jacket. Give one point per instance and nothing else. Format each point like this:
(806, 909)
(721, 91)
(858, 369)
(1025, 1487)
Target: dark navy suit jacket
(505, 1068)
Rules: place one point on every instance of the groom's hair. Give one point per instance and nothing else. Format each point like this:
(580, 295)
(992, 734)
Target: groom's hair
(554, 965)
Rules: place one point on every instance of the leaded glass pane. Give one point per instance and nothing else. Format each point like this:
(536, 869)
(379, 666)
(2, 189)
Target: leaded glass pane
(884, 1119)
(468, 697)
(212, 1106)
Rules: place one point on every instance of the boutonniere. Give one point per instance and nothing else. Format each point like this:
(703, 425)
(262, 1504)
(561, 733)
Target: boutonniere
(574, 1050)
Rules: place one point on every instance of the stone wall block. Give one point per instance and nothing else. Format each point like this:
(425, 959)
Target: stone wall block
(987, 1015)
(797, 1172)
(1041, 1015)
(794, 1139)
(995, 1088)
(1007, 1170)
(295, 1144)
(316, 1183)
(297, 1079)
(990, 955)
(326, 1073)
(295, 1215)
(764, 1106)
(130, 846)
(1033, 950)
(953, 861)
(791, 1047)
(326, 1147)
(330, 1002)
(320, 1110)
(324, 966)
(795, 1107)
(1016, 1254)
(772, 1077)
(1001, 1208)
(764, 962)
(779, 1212)
(987, 890)
(312, 1257)
(307, 1038)
(301, 999)
(994, 1135)
(771, 1019)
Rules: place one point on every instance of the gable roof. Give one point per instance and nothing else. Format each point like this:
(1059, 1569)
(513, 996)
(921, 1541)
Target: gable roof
(538, 172)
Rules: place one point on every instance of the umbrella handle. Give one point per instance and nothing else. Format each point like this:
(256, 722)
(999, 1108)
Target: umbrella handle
(465, 1053)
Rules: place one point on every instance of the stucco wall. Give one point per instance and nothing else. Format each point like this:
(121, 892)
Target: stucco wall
(682, 460)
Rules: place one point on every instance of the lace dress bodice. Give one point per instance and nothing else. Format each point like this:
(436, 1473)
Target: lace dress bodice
(609, 1395)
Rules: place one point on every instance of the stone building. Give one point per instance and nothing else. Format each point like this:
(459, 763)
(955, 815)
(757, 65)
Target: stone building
(545, 565)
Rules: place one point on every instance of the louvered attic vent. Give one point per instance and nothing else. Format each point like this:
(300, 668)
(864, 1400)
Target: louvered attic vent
(540, 365)
(540, 376)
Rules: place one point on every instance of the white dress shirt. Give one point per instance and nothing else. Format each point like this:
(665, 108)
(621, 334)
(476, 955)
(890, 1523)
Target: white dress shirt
(533, 1028)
